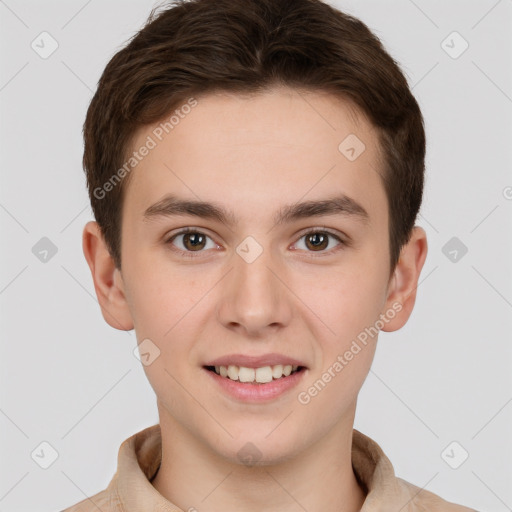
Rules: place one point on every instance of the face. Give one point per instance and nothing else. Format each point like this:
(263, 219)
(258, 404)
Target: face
(269, 283)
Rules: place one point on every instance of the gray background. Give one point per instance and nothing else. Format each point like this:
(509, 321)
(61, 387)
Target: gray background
(69, 379)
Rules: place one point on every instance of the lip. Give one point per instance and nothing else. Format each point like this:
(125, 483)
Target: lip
(256, 393)
(255, 361)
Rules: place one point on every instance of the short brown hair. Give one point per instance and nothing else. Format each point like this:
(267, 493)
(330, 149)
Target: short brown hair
(198, 46)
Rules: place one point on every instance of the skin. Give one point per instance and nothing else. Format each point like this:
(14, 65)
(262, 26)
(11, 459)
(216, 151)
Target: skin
(254, 154)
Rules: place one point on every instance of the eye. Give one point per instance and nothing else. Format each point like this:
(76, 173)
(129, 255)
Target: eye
(191, 241)
(318, 241)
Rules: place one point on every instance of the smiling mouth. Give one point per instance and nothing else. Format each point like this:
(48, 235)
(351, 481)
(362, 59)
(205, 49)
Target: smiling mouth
(261, 375)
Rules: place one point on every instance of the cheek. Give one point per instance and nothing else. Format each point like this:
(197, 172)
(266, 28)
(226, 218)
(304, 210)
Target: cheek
(348, 300)
(168, 308)
(159, 295)
(350, 305)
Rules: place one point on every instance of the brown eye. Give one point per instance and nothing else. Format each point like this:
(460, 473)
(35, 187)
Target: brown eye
(194, 241)
(317, 241)
(189, 241)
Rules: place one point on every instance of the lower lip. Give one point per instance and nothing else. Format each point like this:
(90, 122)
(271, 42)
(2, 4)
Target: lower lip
(257, 392)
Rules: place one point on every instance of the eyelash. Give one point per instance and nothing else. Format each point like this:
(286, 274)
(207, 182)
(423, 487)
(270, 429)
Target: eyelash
(192, 254)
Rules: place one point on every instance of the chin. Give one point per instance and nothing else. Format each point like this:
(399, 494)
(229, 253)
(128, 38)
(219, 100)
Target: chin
(257, 449)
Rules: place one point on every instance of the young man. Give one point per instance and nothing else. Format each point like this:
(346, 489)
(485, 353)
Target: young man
(255, 168)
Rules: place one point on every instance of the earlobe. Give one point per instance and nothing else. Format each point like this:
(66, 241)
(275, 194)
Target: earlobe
(404, 282)
(107, 279)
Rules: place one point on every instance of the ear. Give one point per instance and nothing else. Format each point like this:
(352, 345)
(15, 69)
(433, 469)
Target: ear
(404, 281)
(108, 281)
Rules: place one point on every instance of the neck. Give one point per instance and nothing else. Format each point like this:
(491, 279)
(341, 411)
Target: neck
(194, 477)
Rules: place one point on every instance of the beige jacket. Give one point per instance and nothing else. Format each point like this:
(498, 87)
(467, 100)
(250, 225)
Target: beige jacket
(130, 490)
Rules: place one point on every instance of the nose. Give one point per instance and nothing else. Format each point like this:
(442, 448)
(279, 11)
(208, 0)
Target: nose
(254, 299)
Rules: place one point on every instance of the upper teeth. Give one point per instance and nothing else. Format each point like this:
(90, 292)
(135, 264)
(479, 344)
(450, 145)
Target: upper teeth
(261, 375)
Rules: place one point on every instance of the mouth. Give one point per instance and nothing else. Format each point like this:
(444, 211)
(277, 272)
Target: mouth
(260, 375)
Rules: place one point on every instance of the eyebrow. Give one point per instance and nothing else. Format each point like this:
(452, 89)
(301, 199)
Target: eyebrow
(171, 205)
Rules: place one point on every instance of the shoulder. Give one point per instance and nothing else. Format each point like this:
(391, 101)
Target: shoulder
(422, 500)
(103, 501)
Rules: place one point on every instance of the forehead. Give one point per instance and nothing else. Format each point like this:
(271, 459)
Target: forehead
(252, 151)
